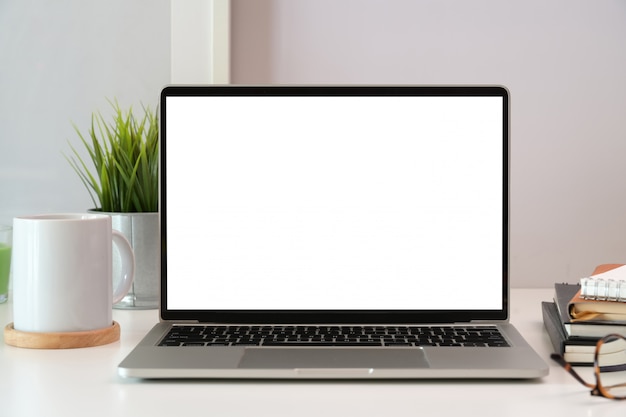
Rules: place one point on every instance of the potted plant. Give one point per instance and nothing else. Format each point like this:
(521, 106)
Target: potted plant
(124, 183)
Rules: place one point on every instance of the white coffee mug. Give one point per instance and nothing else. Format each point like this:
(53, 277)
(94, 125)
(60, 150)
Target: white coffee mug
(62, 272)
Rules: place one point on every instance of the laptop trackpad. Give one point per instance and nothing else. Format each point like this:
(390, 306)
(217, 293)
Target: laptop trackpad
(326, 358)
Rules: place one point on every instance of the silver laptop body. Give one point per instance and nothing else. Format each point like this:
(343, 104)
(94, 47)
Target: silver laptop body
(333, 207)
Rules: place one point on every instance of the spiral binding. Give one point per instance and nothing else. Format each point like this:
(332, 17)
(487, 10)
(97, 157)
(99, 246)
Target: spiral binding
(603, 289)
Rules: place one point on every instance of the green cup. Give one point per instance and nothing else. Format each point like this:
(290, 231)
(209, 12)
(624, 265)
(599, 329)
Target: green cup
(6, 239)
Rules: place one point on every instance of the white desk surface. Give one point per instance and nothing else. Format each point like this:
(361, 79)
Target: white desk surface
(84, 382)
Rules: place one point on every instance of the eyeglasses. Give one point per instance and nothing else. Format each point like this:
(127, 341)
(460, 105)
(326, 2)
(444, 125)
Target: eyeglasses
(609, 364)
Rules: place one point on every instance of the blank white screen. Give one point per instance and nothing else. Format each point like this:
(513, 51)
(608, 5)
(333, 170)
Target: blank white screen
(334, 203)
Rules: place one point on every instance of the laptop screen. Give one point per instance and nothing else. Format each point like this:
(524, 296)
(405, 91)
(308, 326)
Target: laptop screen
(334, 203)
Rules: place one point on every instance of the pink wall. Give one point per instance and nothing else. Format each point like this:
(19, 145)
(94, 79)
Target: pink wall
(563, 60)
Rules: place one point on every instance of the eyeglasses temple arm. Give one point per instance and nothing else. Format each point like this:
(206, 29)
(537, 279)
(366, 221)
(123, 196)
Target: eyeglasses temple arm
(568, 367)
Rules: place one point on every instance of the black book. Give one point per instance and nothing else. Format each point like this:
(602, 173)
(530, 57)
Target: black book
(577, 351)
(563, 294)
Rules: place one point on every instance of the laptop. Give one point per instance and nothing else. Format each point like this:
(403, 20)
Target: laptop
(355, 232)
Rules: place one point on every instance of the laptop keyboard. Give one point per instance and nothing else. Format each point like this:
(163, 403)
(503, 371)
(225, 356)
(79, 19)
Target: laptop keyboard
(199, 335)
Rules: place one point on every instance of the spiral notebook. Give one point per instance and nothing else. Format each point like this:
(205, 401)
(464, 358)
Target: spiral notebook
(308, 213)
(609, 285)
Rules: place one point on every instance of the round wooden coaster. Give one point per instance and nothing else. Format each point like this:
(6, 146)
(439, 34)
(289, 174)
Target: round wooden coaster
(65, 340)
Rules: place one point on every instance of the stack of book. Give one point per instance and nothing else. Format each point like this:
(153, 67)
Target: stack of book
(580, 314)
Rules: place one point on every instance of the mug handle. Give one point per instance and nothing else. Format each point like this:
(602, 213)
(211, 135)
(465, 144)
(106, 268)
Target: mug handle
(128, 266)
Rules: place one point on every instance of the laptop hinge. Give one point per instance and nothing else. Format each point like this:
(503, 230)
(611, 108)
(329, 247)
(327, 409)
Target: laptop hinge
(487, 322)
(181, 321)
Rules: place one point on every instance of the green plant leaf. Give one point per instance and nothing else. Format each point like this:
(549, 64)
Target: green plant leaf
(125, 158)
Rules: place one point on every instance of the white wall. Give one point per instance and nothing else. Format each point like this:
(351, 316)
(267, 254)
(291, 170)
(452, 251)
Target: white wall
(564, 62)
(59, 62)
(200, 42)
